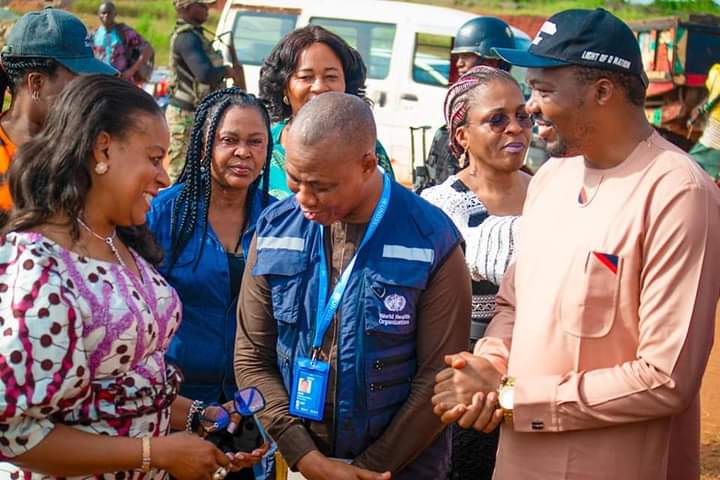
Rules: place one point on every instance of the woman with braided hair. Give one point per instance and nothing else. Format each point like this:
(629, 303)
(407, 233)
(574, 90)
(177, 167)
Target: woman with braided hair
(204, 224)
(44, 51)
(489, 134)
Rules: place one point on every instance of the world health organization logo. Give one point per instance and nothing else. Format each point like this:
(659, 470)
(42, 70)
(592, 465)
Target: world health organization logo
(395, 303)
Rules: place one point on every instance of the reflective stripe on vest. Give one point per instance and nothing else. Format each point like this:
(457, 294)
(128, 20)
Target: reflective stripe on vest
(425, 255)
(281, 243)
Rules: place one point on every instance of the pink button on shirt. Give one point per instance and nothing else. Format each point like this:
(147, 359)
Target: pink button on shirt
(606, 320)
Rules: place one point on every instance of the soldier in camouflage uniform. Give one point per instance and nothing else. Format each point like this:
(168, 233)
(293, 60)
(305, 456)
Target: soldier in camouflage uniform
(196, 70)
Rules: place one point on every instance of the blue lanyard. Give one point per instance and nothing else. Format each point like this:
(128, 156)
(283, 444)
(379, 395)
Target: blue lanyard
(326, 309)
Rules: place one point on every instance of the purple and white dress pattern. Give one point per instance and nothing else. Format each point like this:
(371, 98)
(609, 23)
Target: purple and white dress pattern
(82, 343)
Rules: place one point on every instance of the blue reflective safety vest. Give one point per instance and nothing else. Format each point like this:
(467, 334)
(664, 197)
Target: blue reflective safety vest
(376, 351)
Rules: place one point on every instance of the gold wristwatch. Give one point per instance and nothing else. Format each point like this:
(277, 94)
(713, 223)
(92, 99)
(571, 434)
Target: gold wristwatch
(506, 393)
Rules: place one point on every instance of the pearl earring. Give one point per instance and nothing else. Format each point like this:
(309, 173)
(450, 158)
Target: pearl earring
(285, 100)
(101, 168)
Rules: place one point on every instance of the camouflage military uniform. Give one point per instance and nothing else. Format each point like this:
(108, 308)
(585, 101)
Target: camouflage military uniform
(186, 91)
(179, 122)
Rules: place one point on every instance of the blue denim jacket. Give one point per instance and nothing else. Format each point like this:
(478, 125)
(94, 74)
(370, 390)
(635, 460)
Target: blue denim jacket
(203, 347)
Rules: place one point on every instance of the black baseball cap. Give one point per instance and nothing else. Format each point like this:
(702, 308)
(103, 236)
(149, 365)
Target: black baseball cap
(590, 38)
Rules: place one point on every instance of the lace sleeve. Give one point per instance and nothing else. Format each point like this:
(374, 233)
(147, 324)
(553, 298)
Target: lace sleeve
(458, 203)
(489, 240)
(490, 247)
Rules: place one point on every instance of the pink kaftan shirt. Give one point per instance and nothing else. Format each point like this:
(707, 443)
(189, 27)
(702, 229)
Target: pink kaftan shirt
(606, 319)
(82, 344)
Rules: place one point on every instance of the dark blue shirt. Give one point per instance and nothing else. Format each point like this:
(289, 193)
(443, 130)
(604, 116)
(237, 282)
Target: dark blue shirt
(203, 346)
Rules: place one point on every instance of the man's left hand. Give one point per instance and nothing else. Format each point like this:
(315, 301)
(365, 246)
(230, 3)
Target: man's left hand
(455, 387)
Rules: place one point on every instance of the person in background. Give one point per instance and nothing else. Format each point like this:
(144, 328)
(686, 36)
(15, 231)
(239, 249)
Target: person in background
(485, 110)
(400, 302)
(472, 47)
(196, 70)
(117, 44)
(87, 318)
(707, 151)
(308, 62)
(45, 50)
(204, 224)
(604, 323)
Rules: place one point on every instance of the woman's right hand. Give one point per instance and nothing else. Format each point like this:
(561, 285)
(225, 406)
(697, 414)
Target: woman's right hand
(187, 457)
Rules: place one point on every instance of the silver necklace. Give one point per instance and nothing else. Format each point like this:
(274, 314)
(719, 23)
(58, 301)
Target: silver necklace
(587, 195)
(109, 241)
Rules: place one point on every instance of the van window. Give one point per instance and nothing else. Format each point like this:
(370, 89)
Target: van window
(431, 60)
(373, 40)
(256, 34)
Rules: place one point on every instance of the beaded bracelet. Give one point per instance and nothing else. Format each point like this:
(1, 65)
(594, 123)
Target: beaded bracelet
(192, 422)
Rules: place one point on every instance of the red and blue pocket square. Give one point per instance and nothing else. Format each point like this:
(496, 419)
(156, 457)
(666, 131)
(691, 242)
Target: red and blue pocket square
(609, 260)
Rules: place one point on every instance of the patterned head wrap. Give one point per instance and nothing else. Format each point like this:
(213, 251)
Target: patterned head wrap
(457, 100)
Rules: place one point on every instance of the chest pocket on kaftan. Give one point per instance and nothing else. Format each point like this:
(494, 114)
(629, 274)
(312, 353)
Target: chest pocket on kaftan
(589, 299)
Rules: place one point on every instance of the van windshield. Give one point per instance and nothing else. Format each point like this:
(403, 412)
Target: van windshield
(373, 40)
(256, 34)
(431, 61)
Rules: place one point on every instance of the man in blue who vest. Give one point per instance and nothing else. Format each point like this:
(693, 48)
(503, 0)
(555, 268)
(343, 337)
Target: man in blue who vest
(355, 291)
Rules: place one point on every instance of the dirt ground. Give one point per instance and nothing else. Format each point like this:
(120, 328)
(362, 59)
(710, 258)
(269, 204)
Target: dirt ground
(710, 452)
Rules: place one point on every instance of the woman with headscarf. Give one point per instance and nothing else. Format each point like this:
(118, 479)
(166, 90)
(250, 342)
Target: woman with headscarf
(490, 132)
(308, 62)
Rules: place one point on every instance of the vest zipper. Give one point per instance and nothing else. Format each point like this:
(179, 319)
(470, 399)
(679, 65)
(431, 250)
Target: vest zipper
(376, 387)
(394, 360)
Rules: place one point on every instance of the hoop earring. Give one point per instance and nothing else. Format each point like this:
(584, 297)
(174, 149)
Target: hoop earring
(36, 96)
(285, 100)
(101, 168)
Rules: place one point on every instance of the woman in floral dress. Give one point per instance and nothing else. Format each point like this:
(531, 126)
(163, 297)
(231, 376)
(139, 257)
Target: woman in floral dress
(85, 318)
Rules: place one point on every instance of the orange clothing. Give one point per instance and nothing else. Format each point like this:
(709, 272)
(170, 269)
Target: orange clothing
(7, 152)
(606, 320)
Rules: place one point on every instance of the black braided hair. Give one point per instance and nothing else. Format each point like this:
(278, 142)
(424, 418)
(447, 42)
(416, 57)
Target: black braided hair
(14, 69)
(191, 207)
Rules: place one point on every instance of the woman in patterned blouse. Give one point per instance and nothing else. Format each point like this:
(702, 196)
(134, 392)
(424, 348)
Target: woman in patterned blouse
(490, 133)
(85, 316)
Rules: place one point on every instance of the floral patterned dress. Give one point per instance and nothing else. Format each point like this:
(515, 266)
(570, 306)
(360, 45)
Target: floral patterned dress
(82, 343)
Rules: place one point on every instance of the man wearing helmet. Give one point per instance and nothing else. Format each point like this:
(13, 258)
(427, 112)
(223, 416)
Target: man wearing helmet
(473, 46)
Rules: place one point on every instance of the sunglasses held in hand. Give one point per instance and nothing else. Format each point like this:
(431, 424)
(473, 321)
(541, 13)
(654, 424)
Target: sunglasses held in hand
(247, 403)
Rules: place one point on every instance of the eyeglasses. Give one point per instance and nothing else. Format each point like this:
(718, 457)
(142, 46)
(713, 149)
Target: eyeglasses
(247, 403)
(498, 122)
